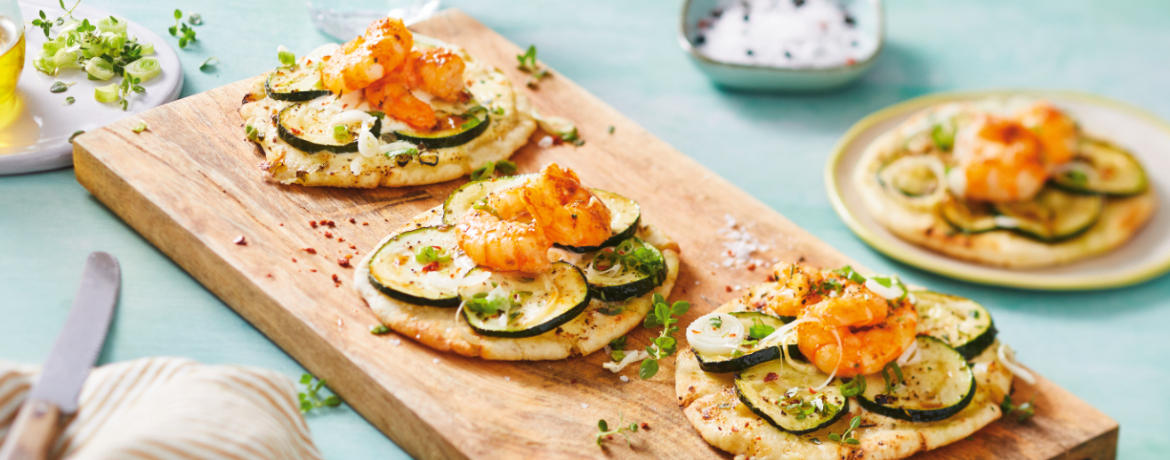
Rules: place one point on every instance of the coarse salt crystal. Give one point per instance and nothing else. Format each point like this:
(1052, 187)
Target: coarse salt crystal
(584, 406)
(436, 360)
(624, 378)
(546, 142)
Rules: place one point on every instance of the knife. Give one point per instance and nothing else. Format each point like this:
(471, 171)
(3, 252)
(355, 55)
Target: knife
(55, 394)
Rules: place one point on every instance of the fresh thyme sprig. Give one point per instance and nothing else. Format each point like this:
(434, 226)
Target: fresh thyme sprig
(1022, 412)
(528, 65)
(311, 398)
(665, 344)
(46, 25)
(845, 437)
(603, 431)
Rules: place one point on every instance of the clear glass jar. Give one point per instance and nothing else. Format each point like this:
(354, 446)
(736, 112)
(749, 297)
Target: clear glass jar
(11, 50)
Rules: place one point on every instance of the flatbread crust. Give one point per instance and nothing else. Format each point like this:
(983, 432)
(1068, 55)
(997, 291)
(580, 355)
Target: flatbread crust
(1120, 220)
(711, 405)
(511, 125)
(439, 328)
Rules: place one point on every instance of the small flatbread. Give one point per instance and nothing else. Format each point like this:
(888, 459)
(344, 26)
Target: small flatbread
(1120, 220)
(711, 405)
(510, 126)
(439, 328)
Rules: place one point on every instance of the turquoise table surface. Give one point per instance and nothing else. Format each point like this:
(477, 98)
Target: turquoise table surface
(1108, 348)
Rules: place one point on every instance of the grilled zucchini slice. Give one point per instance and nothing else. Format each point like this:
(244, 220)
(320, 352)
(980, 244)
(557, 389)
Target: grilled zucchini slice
(463, 128)
(938, 386)
(517, 305)
(961, 323)
(307, 129)
(780, 395)
(296, 84)
(612, 281)
(1105, 168)
(1053, 215)
(967, 217)
(398, 271)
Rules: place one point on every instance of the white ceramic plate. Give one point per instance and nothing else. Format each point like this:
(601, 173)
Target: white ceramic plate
(1144, 257)
(38, 140)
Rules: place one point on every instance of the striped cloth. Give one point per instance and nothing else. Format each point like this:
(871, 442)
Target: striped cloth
(173, 408)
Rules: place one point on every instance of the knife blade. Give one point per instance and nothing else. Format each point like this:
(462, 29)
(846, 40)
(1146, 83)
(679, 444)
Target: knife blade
(73, 355)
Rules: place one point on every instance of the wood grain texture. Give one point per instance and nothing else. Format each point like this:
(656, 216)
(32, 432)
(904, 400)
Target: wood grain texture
(191, 185)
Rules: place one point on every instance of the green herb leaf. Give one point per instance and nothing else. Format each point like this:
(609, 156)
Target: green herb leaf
(59, 87)
(528, 59)
(716, 322)
(379, 329)
(609, 129)
(70, 100)
(287, 58)
(853, 387)
(506, 167)
(428, 254)
(943, 136)
(1021, 412)
(893, 380)
(648, 368)
(1078, 177)
(850, 274)
(341, 133)
(618, 343)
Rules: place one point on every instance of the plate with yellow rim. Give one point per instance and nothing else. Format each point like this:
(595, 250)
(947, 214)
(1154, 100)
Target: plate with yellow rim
(1144, 257)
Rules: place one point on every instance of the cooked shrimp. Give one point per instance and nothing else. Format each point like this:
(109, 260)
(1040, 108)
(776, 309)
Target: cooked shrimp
(999, 161)
(569, 212)
(1058, 133)
(366, 59)
(863, 349)
(392, 96)
(794, 289)
(438, 71)
(501, 234)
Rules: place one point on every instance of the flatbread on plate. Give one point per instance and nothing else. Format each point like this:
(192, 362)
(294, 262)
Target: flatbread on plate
(439, 328)
(709, 402)
(1120, 220)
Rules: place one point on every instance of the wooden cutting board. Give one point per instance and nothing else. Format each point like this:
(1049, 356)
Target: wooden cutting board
(191, 185)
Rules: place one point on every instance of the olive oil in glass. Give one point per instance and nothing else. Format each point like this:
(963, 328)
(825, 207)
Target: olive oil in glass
(11, 56)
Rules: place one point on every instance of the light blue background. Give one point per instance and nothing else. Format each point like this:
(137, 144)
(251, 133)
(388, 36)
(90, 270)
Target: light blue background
(1108, 347)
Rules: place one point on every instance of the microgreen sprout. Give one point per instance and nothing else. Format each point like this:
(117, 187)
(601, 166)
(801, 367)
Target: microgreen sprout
(185, 34)
(208, 63)
(760, 330)
(1021, 412)
(311, 397)
(603, 431)
(845, 437)
(528, 65)
(665, 344)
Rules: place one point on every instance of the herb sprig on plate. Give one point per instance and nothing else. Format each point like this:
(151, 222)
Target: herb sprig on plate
(665, 344)
(603, 431)
(528, 65)
(311, 398)
(1021, 412)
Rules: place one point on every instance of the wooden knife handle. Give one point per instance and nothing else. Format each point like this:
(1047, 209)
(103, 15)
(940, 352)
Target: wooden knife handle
(36, 427)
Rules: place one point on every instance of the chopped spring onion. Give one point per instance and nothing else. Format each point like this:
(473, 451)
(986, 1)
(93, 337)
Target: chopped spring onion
(286, 57)
(140, 128)
(112, 24)
(108, 93)
(144, 69)
(100, 69)
(1002, 353)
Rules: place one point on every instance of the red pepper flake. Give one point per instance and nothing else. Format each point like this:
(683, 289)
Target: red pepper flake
(294, 260)
(314, 270)
(269, 275)
(282, 224)
(771, 377)
(367, 224)
(328, 234)
(348, 256)
(330, 223)
(314, 251)
(850, 61)
(352, 220)
(340, 239)
(572, 381)
(752, 267)
(343, 262)
(645, 426)
(240, 240)
(352, 247)
(812, 391)
(431, 267)
(336, 279)
(313, 223)
(728, 288)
